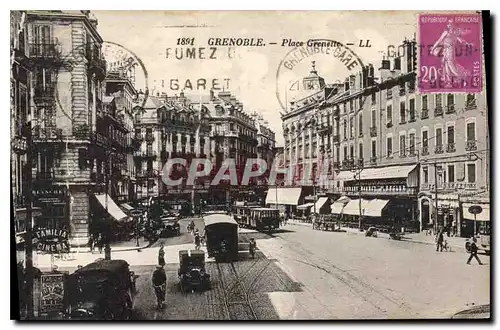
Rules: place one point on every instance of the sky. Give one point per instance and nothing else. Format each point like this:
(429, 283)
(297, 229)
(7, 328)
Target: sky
(250, 73)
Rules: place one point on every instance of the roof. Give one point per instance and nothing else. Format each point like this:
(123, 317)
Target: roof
(214, 219)
(191, 252)
(107, 265)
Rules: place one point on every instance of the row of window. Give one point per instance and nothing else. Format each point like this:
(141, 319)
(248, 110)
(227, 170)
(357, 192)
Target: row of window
(408, 142)
(451, 173)
(406, 114)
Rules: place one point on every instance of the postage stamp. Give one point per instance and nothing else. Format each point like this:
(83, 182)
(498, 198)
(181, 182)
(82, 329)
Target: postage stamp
(450, 50)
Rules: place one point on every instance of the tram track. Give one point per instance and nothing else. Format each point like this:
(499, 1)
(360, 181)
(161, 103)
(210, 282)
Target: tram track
(237, 288)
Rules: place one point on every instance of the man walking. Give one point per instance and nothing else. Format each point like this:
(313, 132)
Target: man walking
(439, 241)
(159, 280)
(473, 252)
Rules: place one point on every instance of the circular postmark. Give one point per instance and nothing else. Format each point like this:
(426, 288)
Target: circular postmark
(295, 76)
(112, 53)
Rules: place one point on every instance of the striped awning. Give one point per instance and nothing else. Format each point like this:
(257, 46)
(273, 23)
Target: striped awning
(375, 207)
(127, 207)
(321, 201)
(110, 206)
(352, 208)
(337, 208)
(305, 206)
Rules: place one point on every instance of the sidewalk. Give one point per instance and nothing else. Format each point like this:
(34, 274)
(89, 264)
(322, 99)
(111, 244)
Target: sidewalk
(457, 243)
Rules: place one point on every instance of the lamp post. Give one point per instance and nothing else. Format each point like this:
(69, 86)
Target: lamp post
(29, 220)
(107, 248)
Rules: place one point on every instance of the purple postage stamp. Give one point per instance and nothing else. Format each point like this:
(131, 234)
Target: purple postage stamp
(451, 58)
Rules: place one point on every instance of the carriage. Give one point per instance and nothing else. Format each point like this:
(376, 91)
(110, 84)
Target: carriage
(221, 232)
(264, 219)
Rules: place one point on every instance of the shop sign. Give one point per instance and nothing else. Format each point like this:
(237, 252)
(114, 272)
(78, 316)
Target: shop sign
(51, 240)
(52, 292)
(475, 209)
(50, 195)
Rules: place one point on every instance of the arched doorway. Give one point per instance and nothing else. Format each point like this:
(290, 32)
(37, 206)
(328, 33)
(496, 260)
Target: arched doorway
(425, 215)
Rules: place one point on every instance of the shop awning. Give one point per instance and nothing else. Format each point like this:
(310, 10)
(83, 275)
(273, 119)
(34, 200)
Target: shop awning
(109, 205)
(127, 207)
(344, 176)
(337, 208)
(320, 202)
(390, 172)
(286, 196)
(483, 216)
(305, 206)
(352, 208)
(375, 207)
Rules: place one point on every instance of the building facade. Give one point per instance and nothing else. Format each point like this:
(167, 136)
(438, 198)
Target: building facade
(66, 87)
(393, 147)
(20, 100)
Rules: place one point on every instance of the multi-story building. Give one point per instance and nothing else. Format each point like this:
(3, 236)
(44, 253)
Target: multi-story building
(170, 127)
(265, 150)
(68, 69)
(20, 100)
(121, 95)
(234, 136)
(388, 145)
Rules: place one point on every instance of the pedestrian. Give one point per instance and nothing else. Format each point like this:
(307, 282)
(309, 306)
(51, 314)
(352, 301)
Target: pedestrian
(161, 255)
(439, 241)
(197, 240)
(473, 252)
(159, 280)
(100, 243)
(91, 243)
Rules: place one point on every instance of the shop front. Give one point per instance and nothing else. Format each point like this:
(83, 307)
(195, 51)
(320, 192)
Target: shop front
(448, 213)
(479, 220)
(395, 184)
(108, 220)
(286, 200)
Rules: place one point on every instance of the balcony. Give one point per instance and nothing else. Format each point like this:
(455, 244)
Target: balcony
(373, 160)
(438, 111)
(402, 153)
(45, 52)
(150, 137)
(389, 94)
(377, 190)
(413, 118)
(412, 153)
(373, 131)
(411, 87)
(324, 129)
(336, 138)
(96, 63)
(450, 147)
(44, 94)
(389, 124)
(145, 174)
(336, 112)
(45, 176)
(439, 149)
(425, 150)
(450, 109)
(471, 145)
(471, 104)
(147, 154)
(424, 114)
(347, 164)
(402, 90)
(361, 162)
(336, 165)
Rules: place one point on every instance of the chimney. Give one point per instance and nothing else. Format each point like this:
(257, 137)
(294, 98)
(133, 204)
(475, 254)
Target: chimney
(385, 69)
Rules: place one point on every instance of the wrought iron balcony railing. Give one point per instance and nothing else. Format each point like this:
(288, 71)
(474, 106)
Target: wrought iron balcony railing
(450, 147)
(471, 145)
(439, 149)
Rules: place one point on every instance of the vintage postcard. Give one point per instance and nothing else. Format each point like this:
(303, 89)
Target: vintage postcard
(260, 165)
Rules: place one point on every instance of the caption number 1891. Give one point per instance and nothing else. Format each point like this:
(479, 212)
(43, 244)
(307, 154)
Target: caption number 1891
(185, 41)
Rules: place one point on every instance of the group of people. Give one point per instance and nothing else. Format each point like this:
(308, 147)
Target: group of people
(442, 244)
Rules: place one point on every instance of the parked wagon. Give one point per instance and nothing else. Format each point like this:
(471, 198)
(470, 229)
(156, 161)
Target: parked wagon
(221, 233)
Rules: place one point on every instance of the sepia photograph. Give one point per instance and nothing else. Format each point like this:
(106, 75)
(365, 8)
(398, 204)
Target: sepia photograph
(250, 165)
